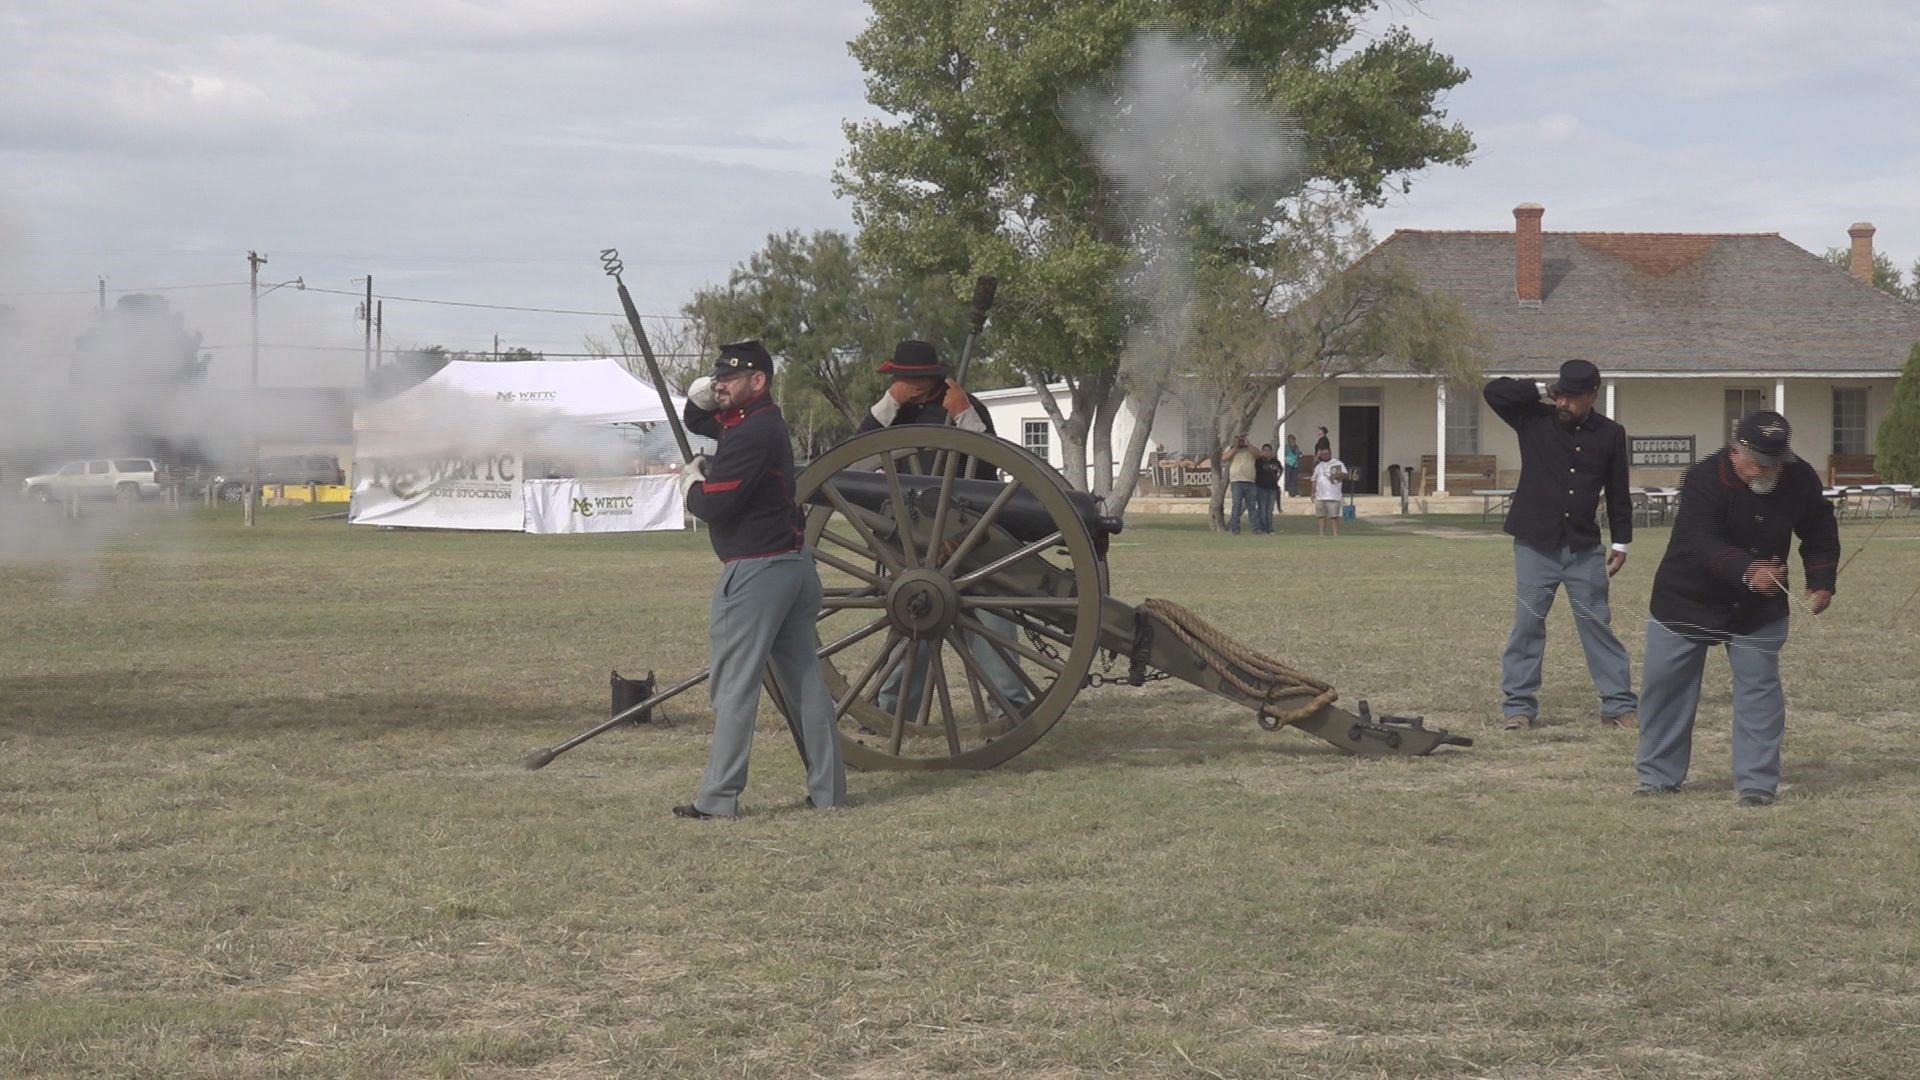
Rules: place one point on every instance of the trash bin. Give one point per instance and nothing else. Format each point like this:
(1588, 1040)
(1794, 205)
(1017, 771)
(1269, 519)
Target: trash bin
(1394, 483)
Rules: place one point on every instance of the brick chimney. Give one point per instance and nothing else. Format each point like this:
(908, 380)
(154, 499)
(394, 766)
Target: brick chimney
(1526, 251)
(1861, 264)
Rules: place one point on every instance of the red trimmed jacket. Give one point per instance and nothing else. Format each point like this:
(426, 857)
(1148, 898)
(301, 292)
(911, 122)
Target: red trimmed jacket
(747, 497)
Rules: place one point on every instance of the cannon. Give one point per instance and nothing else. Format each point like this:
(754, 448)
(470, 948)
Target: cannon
(966, 593)
(962, 616)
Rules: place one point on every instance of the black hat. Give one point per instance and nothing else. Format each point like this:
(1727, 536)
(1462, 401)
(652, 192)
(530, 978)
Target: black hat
(1576, 377)
(912, 359)
(743, 356)
(1764, 436)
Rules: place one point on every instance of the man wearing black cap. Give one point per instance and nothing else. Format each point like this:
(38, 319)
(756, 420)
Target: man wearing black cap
(1569, 456)
(1724, 582)
(923, 391)
(767, 600)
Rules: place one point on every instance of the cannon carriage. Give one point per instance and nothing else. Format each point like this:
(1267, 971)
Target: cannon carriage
(964, 615)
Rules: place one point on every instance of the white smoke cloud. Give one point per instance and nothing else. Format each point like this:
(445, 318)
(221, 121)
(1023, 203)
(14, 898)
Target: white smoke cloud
(1188, 142)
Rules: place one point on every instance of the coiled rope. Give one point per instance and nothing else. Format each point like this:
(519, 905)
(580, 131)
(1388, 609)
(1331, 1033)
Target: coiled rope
(1258, 676)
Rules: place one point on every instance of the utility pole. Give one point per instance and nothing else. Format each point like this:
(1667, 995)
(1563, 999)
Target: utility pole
(496, 346)
(103, 296)
(367, 313)
(379, 333)
(255, 261)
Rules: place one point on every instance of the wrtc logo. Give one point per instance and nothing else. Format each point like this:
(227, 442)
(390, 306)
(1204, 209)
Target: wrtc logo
(511, 396)
(604, 506)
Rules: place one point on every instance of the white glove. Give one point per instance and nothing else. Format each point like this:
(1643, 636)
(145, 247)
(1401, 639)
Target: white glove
(702, 396)
(885, 410)
(695, 472)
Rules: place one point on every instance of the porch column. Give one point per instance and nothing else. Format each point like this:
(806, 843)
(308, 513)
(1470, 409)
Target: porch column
(1440, 436)
(1780, 396)
(1280, 417)
(1611, 415)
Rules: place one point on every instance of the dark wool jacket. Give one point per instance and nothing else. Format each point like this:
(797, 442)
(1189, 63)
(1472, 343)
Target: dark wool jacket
(747, 497)
(1722, 529)
(1563, 472)
(935, 413)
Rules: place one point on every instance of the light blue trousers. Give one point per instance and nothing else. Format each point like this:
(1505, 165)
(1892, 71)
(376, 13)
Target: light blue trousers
(1537, 576)
(991, 663)
(763, 619)
(1243, 502)
(1671, 679)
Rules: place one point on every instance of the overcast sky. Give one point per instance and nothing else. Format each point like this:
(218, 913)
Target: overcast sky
(485, 151)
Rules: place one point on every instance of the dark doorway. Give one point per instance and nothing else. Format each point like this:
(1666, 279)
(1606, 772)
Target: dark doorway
(1359, 447)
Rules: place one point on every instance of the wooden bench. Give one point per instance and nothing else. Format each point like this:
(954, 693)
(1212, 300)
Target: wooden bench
(1851, 470)
(1465, 473)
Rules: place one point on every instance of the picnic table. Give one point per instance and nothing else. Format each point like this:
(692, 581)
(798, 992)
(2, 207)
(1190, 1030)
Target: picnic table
(1862, 500)
(1493, 500)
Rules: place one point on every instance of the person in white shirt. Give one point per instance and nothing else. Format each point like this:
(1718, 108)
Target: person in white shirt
(1328, 474)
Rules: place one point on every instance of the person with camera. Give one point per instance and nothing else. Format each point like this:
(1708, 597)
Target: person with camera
(1241, 471)
(1329, 484)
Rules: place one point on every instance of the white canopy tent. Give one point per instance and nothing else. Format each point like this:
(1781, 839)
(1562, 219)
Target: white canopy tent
(451, 452)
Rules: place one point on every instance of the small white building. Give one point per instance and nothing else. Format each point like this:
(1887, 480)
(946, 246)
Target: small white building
(1691, 331)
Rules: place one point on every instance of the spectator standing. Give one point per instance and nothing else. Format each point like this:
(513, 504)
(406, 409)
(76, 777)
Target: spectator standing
(1239, 459)
(1569, 456)
(1724, 582)
(1322, 443)
(1290, 458)
(1266, 489)
(1329, 474)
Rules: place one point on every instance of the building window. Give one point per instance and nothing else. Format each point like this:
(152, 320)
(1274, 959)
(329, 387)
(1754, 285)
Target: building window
(1037, 437)
(1740, 402)
(1463, 421)
(1850, 421)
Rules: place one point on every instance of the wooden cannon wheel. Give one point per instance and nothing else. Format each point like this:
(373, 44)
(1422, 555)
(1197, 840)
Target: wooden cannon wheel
(921, 566)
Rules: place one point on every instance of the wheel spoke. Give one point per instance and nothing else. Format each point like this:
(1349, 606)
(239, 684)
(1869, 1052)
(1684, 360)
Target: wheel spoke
(975, 626)
(925, 710)
(951, 467)
(855, 688)
(849, 639)
(909, 654)
(1007, 560)
(848, 603)
(846, 567)
(946, 703)
(1018, 603)
(979, 530)
(857, 517)
(979, 678)
(900, 521)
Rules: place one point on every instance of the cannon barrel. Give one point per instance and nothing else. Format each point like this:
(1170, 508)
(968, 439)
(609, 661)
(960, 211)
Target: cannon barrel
(1023, 517)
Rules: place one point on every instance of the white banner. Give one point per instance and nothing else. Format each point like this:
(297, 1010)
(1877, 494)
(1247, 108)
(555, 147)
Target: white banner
(615, 504)
(465, 491)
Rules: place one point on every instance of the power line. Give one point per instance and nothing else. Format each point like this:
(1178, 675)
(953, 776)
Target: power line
(496, 307)
(450, 352)
(140, 289)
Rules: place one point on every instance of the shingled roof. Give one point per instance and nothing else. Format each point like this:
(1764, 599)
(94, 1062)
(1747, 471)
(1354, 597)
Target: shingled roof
(1663, 302)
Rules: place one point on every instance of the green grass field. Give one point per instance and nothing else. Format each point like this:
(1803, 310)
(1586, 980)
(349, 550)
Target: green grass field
(260, 815)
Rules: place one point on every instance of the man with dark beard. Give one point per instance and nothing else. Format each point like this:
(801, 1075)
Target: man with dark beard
(1569, 456)
(1724, 582)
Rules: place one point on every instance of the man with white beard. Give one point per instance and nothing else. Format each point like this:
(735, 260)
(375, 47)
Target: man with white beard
(1724, 582)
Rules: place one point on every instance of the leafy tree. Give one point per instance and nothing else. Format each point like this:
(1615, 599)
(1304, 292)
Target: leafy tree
(831, 317)
(1886, 276)
(1319, 311)
(1897, 448)
(974, 170)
